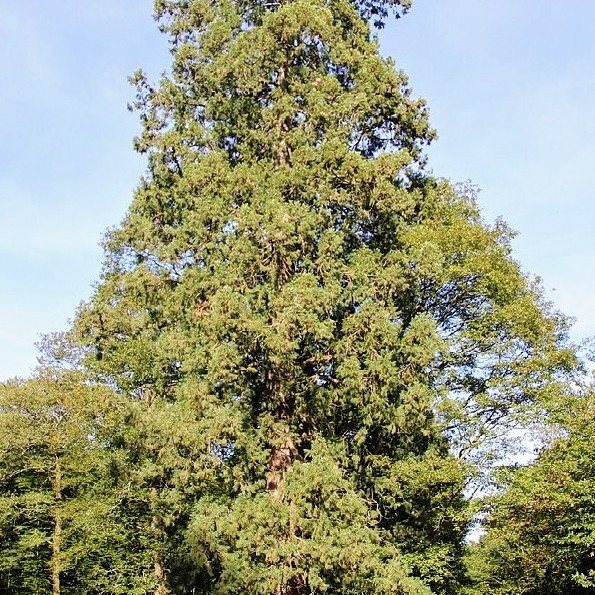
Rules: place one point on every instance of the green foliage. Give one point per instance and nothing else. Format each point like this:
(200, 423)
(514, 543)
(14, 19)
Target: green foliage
(541, 532)
(318, 536)
(61, 526)
(299, 326)
(300, 314)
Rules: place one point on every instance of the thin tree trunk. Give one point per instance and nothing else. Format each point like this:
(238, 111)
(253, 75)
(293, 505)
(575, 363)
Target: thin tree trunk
(57, 536)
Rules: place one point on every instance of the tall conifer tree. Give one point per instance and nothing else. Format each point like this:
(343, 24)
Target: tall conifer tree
(291, 285)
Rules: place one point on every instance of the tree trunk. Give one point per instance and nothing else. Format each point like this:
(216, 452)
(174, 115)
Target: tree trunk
(283, 448)
(159, 574)
(57, 535)
(158, 569)
(280, 463)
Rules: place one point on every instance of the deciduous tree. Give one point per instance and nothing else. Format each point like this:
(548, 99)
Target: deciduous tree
(541, 531)
(69, 515)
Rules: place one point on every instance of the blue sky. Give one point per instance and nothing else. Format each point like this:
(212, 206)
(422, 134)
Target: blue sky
(511, 90)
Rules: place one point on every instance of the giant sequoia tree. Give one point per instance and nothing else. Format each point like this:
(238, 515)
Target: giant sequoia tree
(322, 316)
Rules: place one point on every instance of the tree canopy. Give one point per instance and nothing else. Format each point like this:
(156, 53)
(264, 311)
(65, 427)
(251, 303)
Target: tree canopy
(61, 495)
(541, 530)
